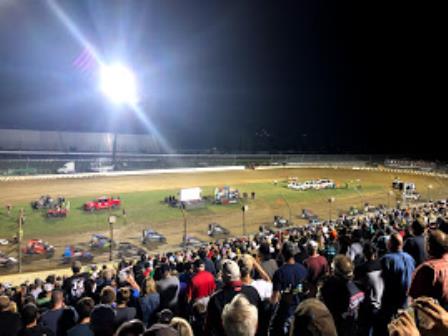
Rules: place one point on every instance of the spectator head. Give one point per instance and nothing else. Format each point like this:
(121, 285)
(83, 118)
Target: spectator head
(202, 253)
(264, 250)
(239, 317)
(107, 295)
(101, 321)
(199, 265)
(312, 318)
(312, 247)
(131, 328)
(230, 271)
(57, 298)
(418, 227)
(343, 267)
(244, 266)
(107, 274)
(289, 250)
(437, 244)
(84, 307)
(29, 314)
(67, 320)
(149, 286)
(164, 270)
(4, 303)
(165, 316)
(182, 326)
(160, 329)
(123, 295)
(395, 243)
(369, 250)
(76, 267)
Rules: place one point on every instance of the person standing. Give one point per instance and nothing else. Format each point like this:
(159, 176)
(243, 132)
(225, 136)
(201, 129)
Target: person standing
(287, 286)
(316, 265)
(396, 270)
(50, 318)
(201, 285)
(415, 245)
(431, 277)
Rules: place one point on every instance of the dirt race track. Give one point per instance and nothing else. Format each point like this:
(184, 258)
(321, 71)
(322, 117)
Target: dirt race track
(24, 191)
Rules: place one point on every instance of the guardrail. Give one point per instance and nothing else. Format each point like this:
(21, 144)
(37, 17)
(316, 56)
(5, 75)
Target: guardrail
(122, 173)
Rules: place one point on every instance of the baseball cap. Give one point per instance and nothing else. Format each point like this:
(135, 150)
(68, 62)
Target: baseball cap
(230, 271)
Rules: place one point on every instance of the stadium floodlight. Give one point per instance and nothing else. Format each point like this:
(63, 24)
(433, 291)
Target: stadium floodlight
(119, 84)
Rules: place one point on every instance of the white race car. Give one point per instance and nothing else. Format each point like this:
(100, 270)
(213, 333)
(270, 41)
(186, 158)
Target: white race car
(325, 184)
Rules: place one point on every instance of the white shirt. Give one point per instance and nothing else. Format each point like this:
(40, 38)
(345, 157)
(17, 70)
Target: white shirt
(263, 287)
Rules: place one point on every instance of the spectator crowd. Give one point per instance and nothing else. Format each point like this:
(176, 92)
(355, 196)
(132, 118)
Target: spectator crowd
(380, 272)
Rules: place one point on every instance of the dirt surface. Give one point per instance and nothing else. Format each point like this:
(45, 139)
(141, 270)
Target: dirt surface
(24, 191)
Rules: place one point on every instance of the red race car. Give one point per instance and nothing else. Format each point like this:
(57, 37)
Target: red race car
(103, 203)
(38, 247)
(57, 212)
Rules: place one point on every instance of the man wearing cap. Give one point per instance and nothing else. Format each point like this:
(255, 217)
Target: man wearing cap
(9, 321)
(316, 265)
(232, 286)
(202, 284)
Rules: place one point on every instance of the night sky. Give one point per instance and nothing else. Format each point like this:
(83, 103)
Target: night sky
(306, 76)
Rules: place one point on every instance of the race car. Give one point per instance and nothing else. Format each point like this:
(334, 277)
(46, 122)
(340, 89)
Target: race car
(307, 214)
(215, 229)
(43, 202)
(325, 184)
(280, 222)
(57, 212)
(7, 262)
(38, 247)
(151, 236)
(314, 222)
(99, 241)
(103, 203)
(46, 202)
(411, 195)
(128, 250)
(76, 254)
(192, 241)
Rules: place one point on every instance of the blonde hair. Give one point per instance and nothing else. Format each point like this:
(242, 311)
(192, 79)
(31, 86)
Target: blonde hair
(240, 317)
(150, 286)
(182, 326)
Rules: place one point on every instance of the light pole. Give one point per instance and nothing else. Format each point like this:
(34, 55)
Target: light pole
(389, 194)
(182, 210)
(244, 208)
(19, 240)
(330, 202)
(111, 220)
(429, 192)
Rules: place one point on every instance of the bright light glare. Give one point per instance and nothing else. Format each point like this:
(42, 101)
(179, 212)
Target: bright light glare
(119, 84)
